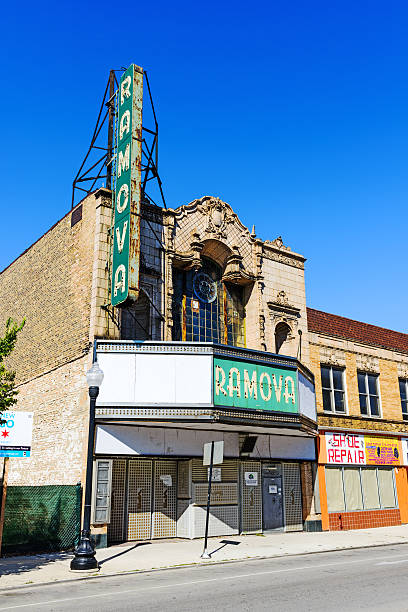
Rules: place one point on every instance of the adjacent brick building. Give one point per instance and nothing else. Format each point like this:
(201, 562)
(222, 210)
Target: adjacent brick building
(361, 374)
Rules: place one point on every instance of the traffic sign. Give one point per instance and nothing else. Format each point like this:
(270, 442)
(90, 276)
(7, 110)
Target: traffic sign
(218, 456)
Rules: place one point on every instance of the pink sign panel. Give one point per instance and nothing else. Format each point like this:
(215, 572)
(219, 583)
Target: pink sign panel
(345, 448)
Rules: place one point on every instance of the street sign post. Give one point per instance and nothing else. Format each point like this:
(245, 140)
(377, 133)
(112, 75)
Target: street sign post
(213, 453)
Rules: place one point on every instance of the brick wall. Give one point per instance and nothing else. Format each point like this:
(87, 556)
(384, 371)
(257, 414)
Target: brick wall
(353, 357)
(326, 421)
(60, 404)
(101, 323)
(352, 398)
(389, 390)
(364, 520)
(314, 364)
(58, 284)
(51, 285)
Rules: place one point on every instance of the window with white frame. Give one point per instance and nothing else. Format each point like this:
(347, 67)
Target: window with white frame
(403, 387)
(368, 394)
(334, 399)
(351, 488)
(102, 484)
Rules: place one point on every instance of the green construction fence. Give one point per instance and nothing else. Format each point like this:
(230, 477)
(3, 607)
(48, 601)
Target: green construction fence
(41, 519)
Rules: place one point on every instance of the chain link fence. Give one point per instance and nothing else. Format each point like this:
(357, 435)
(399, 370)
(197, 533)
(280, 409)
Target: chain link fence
(41, 519)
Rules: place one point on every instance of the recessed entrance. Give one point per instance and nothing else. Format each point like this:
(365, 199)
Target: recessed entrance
(272, 497)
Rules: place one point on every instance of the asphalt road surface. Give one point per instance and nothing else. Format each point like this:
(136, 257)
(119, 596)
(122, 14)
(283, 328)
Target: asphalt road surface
(366, 579)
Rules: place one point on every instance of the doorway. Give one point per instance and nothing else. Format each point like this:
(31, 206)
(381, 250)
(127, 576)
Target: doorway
(272, 497)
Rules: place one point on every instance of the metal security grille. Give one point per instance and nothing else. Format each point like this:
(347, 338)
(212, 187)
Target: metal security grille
(221, 494)
(292, 497)
(139, 499)
(251, 507)
(183, 480)
(115, 527)
(229, 471)
(165, 499)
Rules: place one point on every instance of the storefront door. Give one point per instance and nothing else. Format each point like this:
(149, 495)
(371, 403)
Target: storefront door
(272, 501)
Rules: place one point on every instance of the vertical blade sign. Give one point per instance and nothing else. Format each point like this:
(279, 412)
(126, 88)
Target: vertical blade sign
(126, 230)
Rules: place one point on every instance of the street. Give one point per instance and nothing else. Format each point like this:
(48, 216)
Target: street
(361, 579)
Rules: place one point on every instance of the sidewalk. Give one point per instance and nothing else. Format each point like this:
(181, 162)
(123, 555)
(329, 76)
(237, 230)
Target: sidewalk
(139, 556)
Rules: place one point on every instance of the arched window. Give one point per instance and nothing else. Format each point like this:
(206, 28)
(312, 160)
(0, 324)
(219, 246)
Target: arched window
(283, 340)
(205, 309)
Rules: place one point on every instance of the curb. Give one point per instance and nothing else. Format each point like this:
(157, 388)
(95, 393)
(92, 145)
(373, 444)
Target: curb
(197, 564)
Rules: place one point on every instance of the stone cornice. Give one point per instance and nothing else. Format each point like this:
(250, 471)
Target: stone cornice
(351, 422)
(355, 349)
(283, 255)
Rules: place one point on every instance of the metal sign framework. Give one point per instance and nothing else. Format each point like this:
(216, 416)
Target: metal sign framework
(96, 168)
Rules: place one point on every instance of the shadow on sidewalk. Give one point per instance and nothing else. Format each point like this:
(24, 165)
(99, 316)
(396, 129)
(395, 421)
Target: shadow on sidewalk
(124, 552)
(19, 565)
(224, 544)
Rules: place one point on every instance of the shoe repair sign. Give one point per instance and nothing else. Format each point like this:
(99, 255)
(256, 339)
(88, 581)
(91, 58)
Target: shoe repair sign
(358, 449)
(16, 431)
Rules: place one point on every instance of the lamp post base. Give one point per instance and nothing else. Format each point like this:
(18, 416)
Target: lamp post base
(84, 558)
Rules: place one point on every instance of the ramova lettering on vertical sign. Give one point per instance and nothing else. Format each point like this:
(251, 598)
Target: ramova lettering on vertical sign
(256, 386)
(126, 231)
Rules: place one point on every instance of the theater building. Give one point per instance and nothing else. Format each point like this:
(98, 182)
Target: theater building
(361, 374)
(215, 348)
(219, 345)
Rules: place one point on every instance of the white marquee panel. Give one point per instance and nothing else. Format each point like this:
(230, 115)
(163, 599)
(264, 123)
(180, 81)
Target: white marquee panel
(164, 379)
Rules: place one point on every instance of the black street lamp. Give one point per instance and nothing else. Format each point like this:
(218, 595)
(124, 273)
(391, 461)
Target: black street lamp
(84, 558)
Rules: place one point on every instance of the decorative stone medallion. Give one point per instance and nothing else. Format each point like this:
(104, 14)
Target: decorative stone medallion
(218, 218)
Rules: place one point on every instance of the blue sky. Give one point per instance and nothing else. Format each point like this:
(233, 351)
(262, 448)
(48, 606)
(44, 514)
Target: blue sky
(295, 113)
